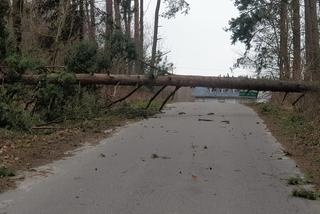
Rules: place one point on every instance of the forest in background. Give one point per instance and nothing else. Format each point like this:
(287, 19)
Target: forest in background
(281, 38)
(68, 37)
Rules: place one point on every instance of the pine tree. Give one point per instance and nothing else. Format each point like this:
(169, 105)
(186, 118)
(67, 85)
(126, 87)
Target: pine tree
(4, 7)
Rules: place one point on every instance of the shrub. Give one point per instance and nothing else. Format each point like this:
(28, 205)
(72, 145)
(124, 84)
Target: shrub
(14, 117)
(5, 172)
(82, 58)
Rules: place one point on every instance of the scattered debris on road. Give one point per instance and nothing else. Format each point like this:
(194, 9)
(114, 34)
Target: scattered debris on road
(102, 155)
(205, 120)
(194, 177)
(155, 156)
(225, 121)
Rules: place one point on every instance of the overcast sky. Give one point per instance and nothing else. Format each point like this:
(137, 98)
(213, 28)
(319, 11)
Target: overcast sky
(198, 43)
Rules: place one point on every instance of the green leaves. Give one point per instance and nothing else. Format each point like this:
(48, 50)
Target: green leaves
(82, 58)
(175, 6)
(85, 57)
(257, 28)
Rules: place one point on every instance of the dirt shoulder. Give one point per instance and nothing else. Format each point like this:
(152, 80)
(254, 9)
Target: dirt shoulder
(26, 151)
(299, 134)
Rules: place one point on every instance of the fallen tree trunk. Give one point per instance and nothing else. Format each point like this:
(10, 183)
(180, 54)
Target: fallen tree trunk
(178, 81)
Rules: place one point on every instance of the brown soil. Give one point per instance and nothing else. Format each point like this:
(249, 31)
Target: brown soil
(301, 142)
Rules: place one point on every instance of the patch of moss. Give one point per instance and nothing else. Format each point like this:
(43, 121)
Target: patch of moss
(297, 181)
(5, 172)
(304, 193)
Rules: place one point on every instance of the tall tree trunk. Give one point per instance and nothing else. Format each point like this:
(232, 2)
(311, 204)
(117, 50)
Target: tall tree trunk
(307, 75)
(17, 11)
(128, 15)
(296, 30)
(117, 14)
(312, 41)
(82, 19)
(4, 7)
(64, 6)
(155, 37)
(109, 18)
(127, 21)
(92, 27)
(141, 48)
(137, 35)
(284, 55)
(174, 80)
(109, 30)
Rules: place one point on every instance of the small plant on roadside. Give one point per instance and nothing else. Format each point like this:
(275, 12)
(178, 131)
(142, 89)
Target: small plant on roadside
(267, 108)
(132, 110)
(5, 172)
(304, 193)
(297, 181)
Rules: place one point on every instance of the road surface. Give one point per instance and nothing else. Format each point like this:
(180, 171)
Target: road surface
(197, 158)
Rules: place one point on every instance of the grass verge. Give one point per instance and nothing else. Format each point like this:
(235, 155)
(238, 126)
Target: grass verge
(299, 135)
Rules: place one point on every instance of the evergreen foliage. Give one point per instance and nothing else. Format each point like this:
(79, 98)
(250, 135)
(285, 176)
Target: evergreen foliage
(255, 27)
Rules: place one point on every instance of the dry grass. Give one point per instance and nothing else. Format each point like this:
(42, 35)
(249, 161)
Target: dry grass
(298, 132)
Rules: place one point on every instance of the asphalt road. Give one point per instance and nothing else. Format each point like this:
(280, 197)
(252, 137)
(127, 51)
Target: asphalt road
(186, 161)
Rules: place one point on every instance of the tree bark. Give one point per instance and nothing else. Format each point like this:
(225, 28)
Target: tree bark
(81, 19)
(137, 35)
(296, 30)
(155, 36)
(117, 14)
(128, 19)
(284, 55)
(17, 11)
(92, 31)
(141, 43)
(176, 80)
(312, 41)
(64, 6)
(109, 18)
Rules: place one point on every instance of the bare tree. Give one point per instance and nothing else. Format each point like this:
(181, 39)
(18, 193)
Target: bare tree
(141, 48)
(137, 35)
(284, 55)
(127, 16)
(296, 31)
(17, 12)
(82, 18)
(312, 40)
(109, 18)
(155, 36)
(117, 14)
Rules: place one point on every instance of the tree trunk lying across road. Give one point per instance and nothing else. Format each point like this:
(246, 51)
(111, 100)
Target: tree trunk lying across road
(179, 81)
